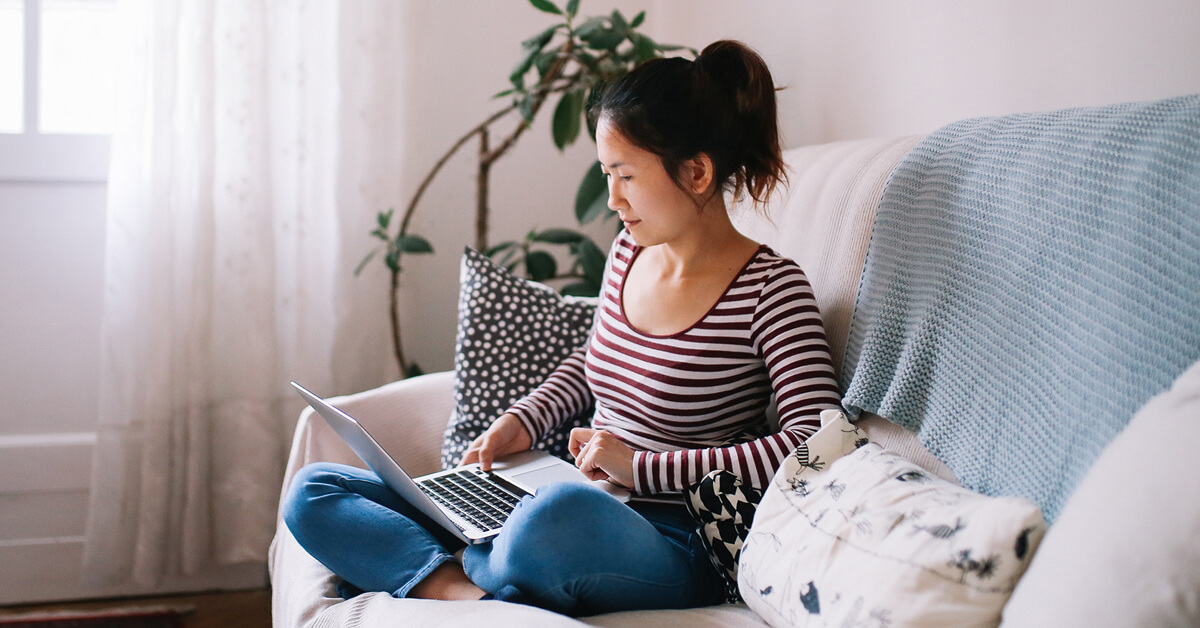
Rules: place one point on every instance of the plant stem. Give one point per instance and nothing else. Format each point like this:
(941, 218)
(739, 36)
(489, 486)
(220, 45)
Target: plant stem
(481, 193)
(412, 205)
(397, 346)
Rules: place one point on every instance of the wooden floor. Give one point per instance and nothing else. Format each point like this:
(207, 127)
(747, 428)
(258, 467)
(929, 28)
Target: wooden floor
(241, 609)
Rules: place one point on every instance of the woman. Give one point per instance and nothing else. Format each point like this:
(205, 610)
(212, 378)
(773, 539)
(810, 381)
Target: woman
(697, 327)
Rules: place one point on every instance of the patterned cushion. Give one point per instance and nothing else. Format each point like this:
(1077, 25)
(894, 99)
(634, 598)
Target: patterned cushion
(511, 334)
(856, 535)
(724, 509)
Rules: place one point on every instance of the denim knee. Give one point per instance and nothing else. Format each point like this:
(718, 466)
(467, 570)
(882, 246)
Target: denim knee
(555, 533)
(561, 518)
(311, 481)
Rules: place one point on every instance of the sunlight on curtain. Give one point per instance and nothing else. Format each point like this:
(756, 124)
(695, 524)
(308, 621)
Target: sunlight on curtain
(12, 66)
(254, 141)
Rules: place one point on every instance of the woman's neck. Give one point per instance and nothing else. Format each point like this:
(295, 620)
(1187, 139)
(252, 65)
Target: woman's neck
(707, 247)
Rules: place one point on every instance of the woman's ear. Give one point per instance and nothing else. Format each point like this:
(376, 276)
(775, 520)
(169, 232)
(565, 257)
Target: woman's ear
(700, 173)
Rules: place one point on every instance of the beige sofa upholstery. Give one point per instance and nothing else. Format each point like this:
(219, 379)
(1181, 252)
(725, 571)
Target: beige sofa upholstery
(823, 221)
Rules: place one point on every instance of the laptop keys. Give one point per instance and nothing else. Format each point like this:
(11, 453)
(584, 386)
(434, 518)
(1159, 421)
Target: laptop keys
(474, 496)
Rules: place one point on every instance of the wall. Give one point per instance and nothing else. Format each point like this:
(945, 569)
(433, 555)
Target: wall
(874, 68)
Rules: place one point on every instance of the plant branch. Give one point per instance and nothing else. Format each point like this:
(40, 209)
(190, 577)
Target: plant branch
(412, 205)
(544, 88)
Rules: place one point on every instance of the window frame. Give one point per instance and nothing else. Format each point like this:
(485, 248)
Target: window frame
(35, 157)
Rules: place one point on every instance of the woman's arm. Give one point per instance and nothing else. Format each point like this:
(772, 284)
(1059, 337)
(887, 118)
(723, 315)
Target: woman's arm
(564, 394)
(788, 335)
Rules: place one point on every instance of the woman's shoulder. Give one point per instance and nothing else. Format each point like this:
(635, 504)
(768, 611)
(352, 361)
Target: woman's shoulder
(769, 265)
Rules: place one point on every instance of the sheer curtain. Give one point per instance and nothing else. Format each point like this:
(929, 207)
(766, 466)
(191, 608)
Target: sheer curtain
(255, 142)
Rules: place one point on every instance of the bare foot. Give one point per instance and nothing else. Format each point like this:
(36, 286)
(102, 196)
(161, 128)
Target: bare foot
(447, 582)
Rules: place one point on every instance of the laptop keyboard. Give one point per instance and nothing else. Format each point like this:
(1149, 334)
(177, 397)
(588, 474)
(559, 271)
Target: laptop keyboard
(481, 498)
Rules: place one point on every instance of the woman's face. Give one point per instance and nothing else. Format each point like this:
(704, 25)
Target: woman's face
(653, 208)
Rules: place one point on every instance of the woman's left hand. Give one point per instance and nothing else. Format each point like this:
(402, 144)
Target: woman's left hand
(602, 456)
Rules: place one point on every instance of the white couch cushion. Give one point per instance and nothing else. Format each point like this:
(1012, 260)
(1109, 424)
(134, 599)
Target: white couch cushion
(1125, 551)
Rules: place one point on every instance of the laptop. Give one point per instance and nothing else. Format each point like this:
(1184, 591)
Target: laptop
(470, 503)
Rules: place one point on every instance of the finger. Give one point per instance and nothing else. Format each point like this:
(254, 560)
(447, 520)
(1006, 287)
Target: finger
(579, 437)
(589, 463)
(486, 456)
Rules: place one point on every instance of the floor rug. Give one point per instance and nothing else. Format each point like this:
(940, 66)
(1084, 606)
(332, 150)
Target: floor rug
(125, 617)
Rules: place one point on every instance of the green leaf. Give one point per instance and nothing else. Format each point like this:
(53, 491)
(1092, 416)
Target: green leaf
(492, 251)
(526, 108)
(507, 92)
(508, 256)
(643, 47)
(545, 60)
(363, 264)
(381, 234)
(586, 59)
(572, 8)
(673, 48)
(392, 259)
(591, 199)
(559, 236)
(540, 265)
(532, 47)
(413, 244)
(385, 218)
(619, 23)
(590, 27)
(581, 289)
(413, 371)
(539, 41)
(638, 19)
(547, 6)
(517, 76)
(592, 259)
(604, 39)
(568, 118)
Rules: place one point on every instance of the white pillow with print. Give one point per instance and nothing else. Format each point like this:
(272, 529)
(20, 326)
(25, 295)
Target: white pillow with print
(864, 537)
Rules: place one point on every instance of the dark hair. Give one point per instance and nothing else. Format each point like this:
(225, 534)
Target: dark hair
(721, 104)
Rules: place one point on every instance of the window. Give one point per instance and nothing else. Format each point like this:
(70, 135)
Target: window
(57, 83)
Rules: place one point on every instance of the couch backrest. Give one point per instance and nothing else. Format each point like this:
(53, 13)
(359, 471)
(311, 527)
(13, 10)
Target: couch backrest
(1031, 281)
(823, 220)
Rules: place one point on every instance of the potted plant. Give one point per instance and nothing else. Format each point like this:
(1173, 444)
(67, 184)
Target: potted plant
(569, 61)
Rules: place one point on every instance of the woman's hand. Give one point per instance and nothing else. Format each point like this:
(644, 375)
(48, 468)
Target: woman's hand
(602, 456)
(506, 436)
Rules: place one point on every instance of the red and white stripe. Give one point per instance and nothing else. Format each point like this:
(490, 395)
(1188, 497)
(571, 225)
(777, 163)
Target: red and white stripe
(680, 400)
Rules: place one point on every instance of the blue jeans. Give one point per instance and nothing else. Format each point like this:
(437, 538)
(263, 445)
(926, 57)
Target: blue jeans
(572, 548)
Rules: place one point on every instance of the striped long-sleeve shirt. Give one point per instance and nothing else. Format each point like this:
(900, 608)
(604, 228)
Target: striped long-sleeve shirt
(689, 403)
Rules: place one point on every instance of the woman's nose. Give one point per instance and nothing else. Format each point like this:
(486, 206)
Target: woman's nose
(616, 201)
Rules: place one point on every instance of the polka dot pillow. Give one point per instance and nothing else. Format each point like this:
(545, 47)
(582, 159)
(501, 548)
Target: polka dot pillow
(511, 334)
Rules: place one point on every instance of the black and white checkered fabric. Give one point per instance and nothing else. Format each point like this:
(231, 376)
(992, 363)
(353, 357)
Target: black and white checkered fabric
(724, 509)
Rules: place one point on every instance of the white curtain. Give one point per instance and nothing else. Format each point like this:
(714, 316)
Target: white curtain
(256, 139)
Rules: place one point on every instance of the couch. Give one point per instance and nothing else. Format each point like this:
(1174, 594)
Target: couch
(825, 220)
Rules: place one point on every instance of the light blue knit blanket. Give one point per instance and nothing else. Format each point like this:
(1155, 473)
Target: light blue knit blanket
(1031, 281)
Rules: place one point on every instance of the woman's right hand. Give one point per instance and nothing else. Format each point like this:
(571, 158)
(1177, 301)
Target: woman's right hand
(506, 436)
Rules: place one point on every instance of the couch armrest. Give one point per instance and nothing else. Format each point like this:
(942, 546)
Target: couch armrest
(407, 417)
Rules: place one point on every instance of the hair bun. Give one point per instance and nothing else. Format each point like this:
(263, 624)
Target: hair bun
(739, 69)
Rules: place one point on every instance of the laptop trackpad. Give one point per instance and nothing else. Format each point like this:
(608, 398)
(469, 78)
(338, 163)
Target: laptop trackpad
(549, 474)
